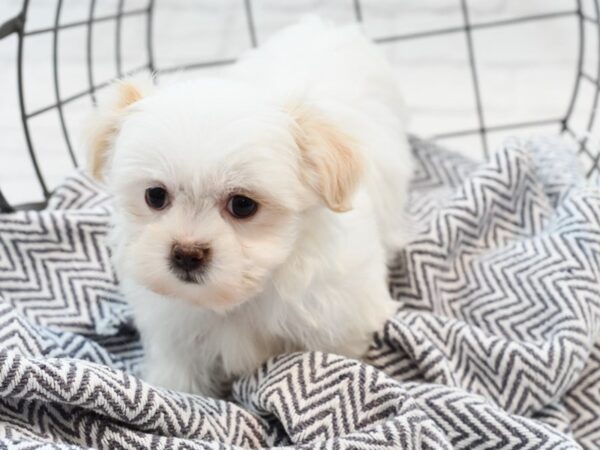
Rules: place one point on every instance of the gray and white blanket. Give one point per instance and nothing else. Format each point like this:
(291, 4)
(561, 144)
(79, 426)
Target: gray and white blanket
(495, 344)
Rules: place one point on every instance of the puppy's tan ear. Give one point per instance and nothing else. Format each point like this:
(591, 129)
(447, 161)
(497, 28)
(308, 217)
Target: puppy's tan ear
(330, 161)
(104, 125)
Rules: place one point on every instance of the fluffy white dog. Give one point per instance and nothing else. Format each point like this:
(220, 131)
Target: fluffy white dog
(255, 212)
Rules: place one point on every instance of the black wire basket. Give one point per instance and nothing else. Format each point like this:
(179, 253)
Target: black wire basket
(585, 15)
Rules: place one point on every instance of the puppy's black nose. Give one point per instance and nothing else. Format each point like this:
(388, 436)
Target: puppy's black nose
(188, 257)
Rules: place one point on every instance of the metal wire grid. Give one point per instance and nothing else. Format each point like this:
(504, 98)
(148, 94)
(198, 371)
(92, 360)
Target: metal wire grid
(17, 26)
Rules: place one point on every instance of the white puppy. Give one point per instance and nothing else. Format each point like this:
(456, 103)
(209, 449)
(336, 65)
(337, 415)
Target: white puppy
(254, 213)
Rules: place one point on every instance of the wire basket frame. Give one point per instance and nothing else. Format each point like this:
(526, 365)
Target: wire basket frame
(17, 25)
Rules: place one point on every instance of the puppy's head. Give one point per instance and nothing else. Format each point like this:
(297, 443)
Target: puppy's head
(212, 183)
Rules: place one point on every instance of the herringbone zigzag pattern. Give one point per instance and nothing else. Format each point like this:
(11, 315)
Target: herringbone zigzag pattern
(496, 343)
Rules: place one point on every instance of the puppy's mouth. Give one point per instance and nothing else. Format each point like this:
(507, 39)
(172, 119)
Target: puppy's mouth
(189, 277)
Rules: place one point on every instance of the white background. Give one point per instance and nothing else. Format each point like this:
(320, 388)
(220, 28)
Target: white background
(526, 71)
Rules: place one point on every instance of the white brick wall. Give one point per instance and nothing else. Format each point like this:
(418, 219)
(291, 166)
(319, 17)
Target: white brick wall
(526, 71)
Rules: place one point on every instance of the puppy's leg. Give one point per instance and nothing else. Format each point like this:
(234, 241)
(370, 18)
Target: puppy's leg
(169, 369)
(174, 354)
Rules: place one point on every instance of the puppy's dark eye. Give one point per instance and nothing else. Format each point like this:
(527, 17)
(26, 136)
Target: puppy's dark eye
(157, 197)
(241, 207)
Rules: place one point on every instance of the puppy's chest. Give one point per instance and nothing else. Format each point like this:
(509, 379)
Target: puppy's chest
(244, 346)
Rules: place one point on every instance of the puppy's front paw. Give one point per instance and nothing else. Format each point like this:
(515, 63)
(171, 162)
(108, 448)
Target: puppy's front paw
(185, 379)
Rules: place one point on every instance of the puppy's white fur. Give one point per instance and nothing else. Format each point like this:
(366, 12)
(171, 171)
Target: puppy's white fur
(311, 126)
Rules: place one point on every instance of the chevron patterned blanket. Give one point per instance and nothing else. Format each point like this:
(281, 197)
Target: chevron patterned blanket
(495, 344)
